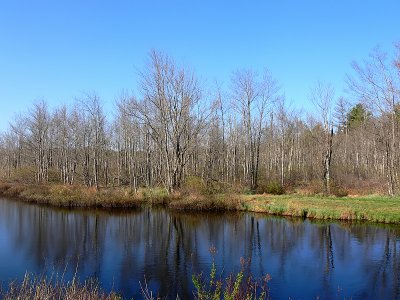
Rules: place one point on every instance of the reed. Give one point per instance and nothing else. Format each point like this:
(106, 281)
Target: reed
(41, 288)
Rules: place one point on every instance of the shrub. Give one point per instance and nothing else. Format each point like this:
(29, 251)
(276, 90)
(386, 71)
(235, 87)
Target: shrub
(217, 187)
(54, 176)
(338, 189)
(274, 187)
(241, 285)
(4, 187)
(194, 185)
(237, 188)
(270, 187)
(339, 192)
(23, 175)
(158, 196)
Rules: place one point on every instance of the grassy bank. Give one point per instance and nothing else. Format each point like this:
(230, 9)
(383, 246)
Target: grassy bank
(374, 208)
(81, 196)
(115, 197)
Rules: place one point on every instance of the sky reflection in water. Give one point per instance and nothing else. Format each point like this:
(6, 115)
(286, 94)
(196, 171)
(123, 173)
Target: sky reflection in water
(305, 259)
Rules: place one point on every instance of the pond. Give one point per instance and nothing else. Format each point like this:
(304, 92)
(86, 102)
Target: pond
(305, 259)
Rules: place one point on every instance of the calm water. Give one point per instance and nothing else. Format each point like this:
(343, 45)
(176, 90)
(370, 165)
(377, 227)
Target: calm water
(305, 259)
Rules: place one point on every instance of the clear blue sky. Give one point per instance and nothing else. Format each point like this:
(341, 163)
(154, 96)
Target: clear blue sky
(56, 50)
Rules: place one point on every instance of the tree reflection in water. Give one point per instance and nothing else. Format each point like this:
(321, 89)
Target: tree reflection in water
(305, 259)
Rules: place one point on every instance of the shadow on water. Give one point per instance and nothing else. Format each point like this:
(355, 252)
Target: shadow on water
(306, 259)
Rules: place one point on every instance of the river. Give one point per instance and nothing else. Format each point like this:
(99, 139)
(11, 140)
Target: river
(305, 259)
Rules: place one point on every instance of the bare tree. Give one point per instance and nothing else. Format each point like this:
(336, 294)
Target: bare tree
(374, 83)
(242, 136)
(94, 138)
(172, 110)
(251, 97)
(322, 97)
(128, 131)
(35, 134)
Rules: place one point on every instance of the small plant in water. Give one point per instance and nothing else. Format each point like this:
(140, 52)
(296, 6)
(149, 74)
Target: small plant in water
(236, 286)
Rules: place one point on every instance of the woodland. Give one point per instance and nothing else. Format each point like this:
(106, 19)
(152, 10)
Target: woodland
(242, 137)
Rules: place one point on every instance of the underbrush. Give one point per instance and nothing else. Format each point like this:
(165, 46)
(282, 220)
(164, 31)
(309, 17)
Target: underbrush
(196, 194)
(207, 203)
(195, 185)
(316, 188)
(271, 187)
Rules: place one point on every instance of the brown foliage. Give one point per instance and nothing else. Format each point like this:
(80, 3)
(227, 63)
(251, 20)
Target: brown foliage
(37, 288)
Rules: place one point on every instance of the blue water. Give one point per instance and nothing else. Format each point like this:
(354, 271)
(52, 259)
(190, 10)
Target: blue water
(305, 259)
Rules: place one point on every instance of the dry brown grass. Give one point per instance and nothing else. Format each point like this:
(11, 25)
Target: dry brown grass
(121, 197)
(71, 195)
(241, 285)
(206, 203)
(42, 288)
(4, 186)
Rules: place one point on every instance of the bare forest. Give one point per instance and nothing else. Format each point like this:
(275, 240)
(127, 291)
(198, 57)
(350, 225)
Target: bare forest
(242, 136)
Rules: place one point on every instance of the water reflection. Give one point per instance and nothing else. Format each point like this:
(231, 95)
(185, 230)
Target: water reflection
(305, 259)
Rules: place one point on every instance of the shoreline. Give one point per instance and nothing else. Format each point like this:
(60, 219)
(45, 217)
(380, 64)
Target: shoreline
(371, 208)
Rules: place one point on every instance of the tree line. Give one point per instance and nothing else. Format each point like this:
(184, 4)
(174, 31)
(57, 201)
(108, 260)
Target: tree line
(243, 135)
